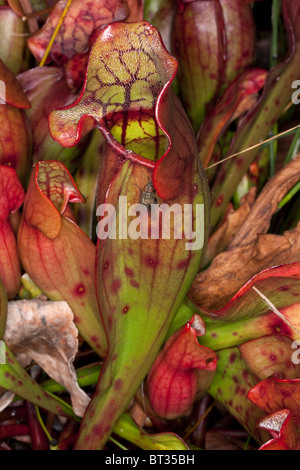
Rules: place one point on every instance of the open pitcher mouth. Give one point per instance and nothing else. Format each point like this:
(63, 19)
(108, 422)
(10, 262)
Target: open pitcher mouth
(137, 132)
(129, 71)
(127, 95)
(56, 185)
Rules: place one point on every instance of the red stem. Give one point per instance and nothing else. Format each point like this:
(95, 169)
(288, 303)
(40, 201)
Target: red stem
(14, 430)
(39, 440)
(68, 443)
(198, 436)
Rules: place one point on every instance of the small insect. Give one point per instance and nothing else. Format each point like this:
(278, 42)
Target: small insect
(148, 195)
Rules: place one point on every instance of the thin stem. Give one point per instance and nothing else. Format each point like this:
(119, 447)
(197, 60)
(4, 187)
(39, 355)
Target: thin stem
(118, 443)
(55, 32)
(273, 62)
(247, 443)
(205, 414)
(273, 152)
(289, 196)
(293, 150)
(42, 423)
(85, 377)
(36, 13)
(274, 44)
(282, 134)
(27, 9)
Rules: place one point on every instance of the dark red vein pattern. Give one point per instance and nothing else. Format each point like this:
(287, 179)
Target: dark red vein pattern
(11, 198)
(141, 282)
(82, 19)
(56, 253)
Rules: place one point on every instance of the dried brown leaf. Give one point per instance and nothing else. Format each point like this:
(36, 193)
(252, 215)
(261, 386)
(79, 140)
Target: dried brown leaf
(6, 397)
(138, 414)
(224, 235)
(44, 331)
(251, 249)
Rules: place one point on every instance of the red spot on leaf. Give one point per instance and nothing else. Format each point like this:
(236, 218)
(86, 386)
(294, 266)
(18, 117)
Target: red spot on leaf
(94, 339)
(286, 393)
(134, 283)
(232, 357)
(118, 384)
(128, 272)
(219, 200)
(116, 284)
(183, 264)
(152, 262)
(284, 288)
(105, 266)
(79, 289)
